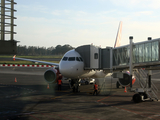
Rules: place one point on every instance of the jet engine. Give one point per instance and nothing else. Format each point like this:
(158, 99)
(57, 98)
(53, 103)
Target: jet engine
(51, 75)
(125, 81)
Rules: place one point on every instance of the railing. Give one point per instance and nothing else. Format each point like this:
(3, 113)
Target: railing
(142, 78)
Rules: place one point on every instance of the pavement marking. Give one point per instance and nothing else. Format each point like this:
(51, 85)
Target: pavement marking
(104, 98)
(34, 117)
(126, 110)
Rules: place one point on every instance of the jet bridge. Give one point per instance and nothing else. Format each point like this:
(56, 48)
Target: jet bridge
(145, 54)
(95, 58)
(135, 55)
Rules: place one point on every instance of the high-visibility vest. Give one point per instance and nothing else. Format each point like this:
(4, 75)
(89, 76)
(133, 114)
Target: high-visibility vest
(96, 87)
(59, 82)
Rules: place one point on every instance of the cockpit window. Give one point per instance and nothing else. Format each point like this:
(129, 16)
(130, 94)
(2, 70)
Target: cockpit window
(80, 58)
(71, 59)
(65, 58)
(77, 59)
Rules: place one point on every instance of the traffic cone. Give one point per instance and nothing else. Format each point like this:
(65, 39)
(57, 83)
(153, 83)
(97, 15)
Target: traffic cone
(125, 90)
(15, 80)
(48, 86)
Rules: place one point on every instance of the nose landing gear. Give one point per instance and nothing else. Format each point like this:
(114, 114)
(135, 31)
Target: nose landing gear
(75, 85)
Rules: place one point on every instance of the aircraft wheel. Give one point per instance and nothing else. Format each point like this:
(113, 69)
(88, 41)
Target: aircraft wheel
(137, 98)
(145, 96)
(117, 84)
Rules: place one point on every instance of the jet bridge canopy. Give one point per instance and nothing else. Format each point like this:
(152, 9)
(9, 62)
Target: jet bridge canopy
(144, 53)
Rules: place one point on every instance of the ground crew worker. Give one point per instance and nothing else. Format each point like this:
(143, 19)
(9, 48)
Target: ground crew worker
(59, 84)
(95, 89)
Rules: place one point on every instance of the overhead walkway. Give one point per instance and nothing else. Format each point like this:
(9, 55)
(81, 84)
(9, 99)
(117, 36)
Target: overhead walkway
(145, 54)
(134, 57)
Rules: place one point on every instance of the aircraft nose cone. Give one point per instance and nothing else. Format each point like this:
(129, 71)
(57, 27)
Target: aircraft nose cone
(66, 69)
(71, 69)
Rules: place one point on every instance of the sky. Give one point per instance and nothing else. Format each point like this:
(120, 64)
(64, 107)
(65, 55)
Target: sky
(47, 23)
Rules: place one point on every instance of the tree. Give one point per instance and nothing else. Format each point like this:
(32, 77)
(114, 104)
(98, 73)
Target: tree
(34, 50)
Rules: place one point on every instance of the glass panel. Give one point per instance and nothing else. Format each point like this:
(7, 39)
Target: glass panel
(80, 58)
(128, 55)
(77, 59)
(134, 53)
(119, 56)
(146, 52)
(155, 51)
(71, 59)
(115, 57)
(65, 58)
(141, 53)
(125, 52)
(149, 52)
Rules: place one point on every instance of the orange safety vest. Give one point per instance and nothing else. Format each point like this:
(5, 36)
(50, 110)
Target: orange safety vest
(59, 82)
(96, 87)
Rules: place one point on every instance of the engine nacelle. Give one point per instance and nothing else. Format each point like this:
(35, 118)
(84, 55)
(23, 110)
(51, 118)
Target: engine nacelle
(51, 75)
(125, 81)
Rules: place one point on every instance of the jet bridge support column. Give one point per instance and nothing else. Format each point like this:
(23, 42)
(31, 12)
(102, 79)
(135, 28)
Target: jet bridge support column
(131, 61)
(149, 78)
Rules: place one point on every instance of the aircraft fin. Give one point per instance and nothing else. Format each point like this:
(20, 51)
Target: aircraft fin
(119, 35)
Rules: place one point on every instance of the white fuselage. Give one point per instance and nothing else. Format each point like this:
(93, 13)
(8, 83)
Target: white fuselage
(72, 66)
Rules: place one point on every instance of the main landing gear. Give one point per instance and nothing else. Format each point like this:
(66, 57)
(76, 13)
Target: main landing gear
(139, 97)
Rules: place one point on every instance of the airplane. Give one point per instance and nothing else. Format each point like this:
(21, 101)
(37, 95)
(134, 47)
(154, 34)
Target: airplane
(72, 66)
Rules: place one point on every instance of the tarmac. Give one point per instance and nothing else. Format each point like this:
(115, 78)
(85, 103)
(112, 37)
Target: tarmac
(24, 96)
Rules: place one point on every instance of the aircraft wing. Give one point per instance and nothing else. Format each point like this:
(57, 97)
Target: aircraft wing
(48, 63)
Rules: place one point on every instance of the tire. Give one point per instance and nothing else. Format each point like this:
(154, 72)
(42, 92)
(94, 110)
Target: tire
(137, 98)
(145, 95)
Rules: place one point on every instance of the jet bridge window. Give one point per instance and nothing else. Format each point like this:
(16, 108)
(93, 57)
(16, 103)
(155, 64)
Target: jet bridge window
(71, 59)
(65, 58)
(95, 55)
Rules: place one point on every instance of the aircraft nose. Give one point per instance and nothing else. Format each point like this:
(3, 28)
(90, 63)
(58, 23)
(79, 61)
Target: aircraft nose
(66, 69)
(70, 70)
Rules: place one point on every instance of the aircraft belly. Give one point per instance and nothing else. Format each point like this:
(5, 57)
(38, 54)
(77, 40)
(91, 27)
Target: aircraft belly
(99, 74)
(88, 73)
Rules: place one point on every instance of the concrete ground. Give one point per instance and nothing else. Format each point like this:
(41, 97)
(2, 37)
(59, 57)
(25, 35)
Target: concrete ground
(29, 99)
